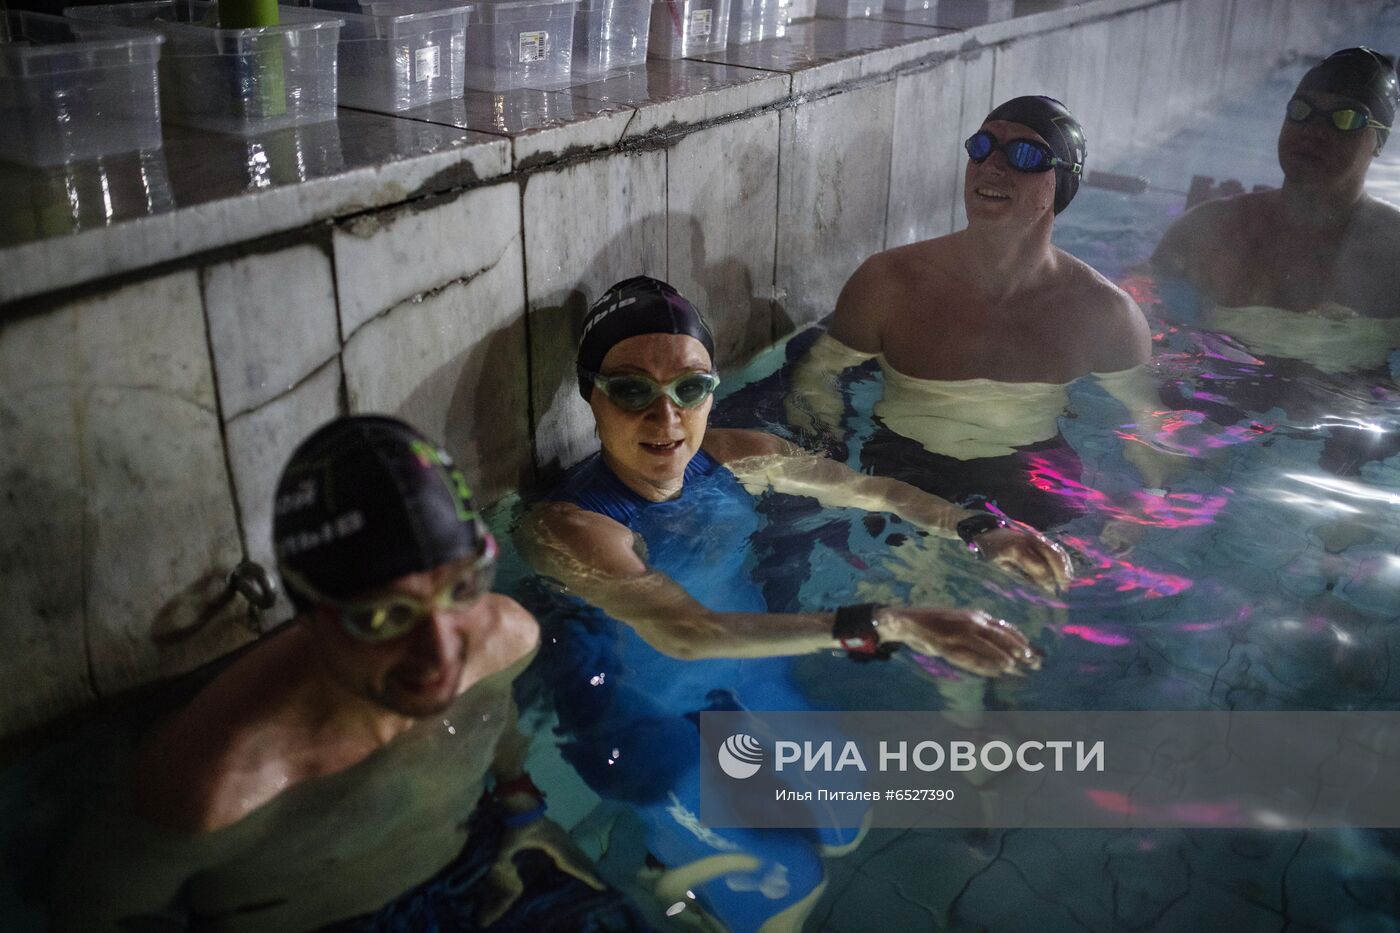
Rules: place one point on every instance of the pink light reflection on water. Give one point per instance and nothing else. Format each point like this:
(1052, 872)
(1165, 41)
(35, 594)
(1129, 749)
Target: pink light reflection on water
(1124, 576)
(1097, 635)
(1174, 510)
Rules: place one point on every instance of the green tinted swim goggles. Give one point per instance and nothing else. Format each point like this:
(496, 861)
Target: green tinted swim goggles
(394, 615)
(1344, 119)
(635, 392)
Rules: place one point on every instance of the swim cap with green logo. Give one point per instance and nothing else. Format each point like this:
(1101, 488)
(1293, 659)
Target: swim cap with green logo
(636, 306)
(363, 501)
(1362, 75)
(1060, 130)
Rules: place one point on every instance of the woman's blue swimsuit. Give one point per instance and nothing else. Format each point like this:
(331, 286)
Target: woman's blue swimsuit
(630, 713)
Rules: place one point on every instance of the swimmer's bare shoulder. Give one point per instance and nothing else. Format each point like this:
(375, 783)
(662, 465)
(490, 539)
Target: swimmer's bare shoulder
(1376, 239)
(1123, 338)
(263, 727)
(235, 746)
(561, 540)
(876, 292)
(510, 635)
(1209, 234)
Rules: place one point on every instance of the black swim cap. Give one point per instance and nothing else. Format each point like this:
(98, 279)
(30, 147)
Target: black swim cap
(1058, 127)
(1362, 75)
(363, 501)
(640, 305)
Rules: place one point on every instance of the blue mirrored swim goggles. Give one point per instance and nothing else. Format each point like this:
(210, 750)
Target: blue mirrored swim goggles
(1344, 119)
(634, 392)
(1024, 155)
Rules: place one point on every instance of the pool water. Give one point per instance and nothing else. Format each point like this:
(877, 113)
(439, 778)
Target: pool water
(1266, 577)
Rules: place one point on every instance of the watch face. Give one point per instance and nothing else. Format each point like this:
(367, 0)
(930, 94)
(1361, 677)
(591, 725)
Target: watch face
(864, 645)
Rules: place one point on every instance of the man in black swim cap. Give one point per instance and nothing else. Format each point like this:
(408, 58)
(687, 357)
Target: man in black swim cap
(996, 301)
(1319, 243)
(341, 760)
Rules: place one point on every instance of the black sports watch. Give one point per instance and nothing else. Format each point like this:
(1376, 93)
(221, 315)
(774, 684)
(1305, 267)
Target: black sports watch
(858, 633)
(977, 524)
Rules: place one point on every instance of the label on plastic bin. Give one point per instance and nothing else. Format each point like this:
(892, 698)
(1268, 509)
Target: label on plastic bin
(532, 47)
(427, 63)
(700, 23)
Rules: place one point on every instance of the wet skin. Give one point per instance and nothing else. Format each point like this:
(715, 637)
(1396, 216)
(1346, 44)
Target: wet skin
(1318, 243)
(996, 300)
(422, 671)
(649, 449)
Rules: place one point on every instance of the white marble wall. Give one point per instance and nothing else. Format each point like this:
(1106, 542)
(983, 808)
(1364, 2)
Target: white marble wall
(978, 70)
(926, 153)
(1036, 65)
(721, 230)
(833, 189)
(119, 523)
(451, 359)
(259, 444)
(272, 321)
(587, 226)
(43, 647)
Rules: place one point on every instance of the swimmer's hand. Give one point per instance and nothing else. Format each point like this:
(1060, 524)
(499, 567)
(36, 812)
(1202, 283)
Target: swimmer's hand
(549, 837)
(967, 638)
(1022, 549)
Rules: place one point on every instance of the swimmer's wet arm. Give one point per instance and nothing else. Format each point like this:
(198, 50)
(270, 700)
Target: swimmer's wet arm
(773, 463)
(787, 468)
(595, 559)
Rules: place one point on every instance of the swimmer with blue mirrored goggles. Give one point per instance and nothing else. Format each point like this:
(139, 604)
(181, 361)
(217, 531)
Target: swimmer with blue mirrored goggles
(1024, 155)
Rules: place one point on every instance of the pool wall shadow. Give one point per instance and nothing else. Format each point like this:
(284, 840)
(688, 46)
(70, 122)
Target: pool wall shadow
(157, 369)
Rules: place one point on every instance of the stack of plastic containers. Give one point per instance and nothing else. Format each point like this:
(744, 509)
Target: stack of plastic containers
(857, 9)
(756, 20)
(682, 28)
(519, 44)
(399, 54)
(71, 90)
(610, 35)
(240, 81)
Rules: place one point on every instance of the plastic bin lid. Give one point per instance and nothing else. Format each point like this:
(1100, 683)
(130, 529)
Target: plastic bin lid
(165, 15)
(397, 10)
(75, 46)
(512, 11)
(590, 6)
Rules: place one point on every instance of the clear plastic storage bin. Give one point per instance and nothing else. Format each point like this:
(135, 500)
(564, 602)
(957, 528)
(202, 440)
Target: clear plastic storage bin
(240, 81)
(399, 54)
(610, 35)
(855, 9)
(756, 20)
(688, 27)
(73, 90)
(519, 43)
(959, 14)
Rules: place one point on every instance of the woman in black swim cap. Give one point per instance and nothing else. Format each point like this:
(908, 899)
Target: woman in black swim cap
(645, 365)
(654, 530)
